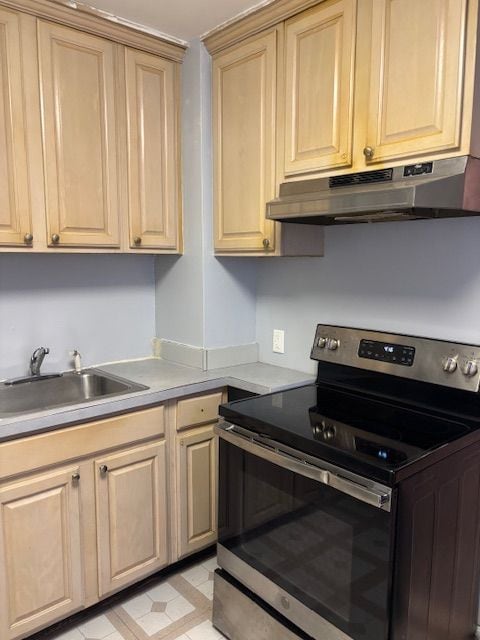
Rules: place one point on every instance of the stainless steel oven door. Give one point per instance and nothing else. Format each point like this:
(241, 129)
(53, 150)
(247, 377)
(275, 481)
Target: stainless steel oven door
(310, 539)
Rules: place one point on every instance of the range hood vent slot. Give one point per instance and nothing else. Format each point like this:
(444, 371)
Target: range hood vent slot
(381, 175)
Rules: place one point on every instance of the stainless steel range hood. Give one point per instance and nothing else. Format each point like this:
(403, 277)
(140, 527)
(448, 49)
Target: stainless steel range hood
(440, 189)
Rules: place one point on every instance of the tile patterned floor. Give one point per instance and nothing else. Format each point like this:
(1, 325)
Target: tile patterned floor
(176, 608)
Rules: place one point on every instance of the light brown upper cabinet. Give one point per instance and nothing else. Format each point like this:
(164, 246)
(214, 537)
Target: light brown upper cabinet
(89, 134)
(77, 81)
(245, 86)
(366, 83)
(416, 88)
(244, 117)
(319, 81)
(15, 201)
(153, 157)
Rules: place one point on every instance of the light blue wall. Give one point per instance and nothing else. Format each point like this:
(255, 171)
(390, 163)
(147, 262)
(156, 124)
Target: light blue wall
(202, 300)
(419, 278)
(179, 280)
(103, 305)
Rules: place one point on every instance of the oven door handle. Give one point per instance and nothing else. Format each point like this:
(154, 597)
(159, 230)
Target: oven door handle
(378, 499)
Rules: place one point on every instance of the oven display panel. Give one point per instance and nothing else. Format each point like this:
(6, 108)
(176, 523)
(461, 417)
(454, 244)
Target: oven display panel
(387, 352)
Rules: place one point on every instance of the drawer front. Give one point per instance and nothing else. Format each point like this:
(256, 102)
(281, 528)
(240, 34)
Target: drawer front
(198, 410)
(34, 452)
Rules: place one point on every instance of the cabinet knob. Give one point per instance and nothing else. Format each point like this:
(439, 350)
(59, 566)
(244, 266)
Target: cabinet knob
(369, 152)
(55, 238)
(266, 243)
(137, 240)
(75, 477)
(28, 238)
(103, 469)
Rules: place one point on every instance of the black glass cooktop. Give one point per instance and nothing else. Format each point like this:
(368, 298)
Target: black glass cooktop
(374, 436)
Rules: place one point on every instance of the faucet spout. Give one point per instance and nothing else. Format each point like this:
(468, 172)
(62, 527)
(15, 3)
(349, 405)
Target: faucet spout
(36, 360)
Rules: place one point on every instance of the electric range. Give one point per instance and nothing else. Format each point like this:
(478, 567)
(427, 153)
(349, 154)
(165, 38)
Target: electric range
(348, 508)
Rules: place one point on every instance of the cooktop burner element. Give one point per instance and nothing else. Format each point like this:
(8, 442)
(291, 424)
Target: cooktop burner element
(381, 402)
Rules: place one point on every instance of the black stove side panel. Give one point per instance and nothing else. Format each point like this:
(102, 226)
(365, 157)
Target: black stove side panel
(436, 579)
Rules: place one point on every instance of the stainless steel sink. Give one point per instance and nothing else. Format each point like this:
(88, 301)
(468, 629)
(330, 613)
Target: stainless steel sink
(68, 389)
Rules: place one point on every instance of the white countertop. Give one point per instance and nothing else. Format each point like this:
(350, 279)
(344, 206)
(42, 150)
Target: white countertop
(165, 380)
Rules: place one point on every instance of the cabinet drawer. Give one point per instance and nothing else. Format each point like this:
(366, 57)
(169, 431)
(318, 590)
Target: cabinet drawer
(34, 452)
(198, 410)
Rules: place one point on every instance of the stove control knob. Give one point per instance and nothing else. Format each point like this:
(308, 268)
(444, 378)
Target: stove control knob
(322, 342)
(470, 368)
(328, 433)
(450, 365)
(332, 344)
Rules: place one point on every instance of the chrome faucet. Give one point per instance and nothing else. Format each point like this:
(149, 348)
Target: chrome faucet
(36, 360)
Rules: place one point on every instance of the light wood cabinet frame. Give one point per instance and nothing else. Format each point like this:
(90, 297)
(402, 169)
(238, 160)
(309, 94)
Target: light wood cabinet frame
(15, 196)
(131, 499)
(154, 198)
(41, 551)
(49, 196)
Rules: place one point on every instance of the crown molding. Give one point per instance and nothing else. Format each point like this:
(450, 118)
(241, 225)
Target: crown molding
(259, 19)
(86, 18)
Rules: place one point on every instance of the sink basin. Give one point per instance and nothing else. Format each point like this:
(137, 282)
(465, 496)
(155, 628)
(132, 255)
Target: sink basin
(69, 388)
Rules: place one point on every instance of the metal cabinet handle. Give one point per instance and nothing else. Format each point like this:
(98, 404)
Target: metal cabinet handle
(28, 238)
(266, 243)
(137, 240)
(55, 238)
(103, 469)
(369, 152)
(75, 476)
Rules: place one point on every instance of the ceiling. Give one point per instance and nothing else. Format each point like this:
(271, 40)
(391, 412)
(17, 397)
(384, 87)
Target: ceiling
(183, 19)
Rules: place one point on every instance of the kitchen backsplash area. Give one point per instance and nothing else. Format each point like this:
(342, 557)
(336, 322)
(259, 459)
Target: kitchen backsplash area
(103, 305)
(418, 278)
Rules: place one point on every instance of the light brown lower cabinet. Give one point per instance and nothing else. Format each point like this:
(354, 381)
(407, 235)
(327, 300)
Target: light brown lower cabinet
(89, 509)
(197, 489)
(41, 564)
(131, 515)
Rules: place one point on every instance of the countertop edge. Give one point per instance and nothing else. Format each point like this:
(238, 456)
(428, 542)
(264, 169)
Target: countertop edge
(53, 419)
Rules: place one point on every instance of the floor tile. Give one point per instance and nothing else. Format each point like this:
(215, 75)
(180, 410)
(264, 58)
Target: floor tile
(115, 636)
(196, 575)
(97, 628)
(71, 634)
(210, 564)
(163, 592)
(204, 631)
(206, 588)
(179, 608)
(138, 606)
(154, 622)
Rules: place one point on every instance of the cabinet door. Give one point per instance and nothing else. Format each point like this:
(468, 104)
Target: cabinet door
(15, 224)
(77, 80)
(244, 121)
(153, 171)
(196, 464)
(319, 80)
(131, 515)
(41, 575)
(416, 77)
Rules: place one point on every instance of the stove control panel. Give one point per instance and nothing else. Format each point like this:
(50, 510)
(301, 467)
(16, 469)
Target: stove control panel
(450, 364)
(400, 354)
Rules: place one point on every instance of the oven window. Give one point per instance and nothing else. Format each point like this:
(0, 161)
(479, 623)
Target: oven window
(325, 548)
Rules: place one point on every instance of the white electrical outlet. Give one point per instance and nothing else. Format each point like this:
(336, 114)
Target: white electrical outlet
(278, 341)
